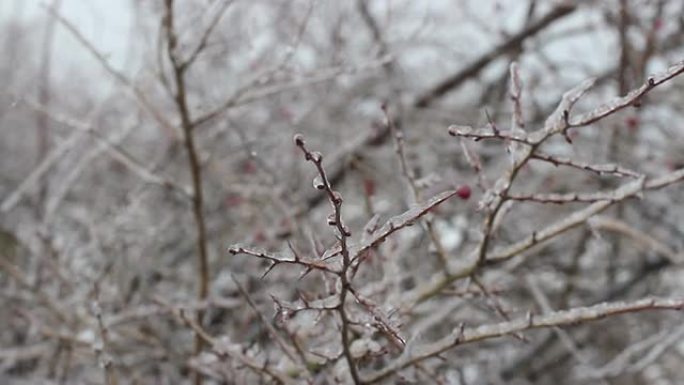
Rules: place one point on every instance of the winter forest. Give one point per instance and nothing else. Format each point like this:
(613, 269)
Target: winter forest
(321, 192)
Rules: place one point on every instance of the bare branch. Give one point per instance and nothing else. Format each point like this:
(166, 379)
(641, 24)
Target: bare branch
(217, 15)
(630, 99)
(181, 99)
(553, 319)
(307, 264)
(626, 191)
(561, 198)
(118, 76)
(224, 350)
(405, 219)
(489, 132)
(335, 220)
(271, 330)
(478, 65)
(256, 88)
(646, 241)
(452, 82)
(600, 169)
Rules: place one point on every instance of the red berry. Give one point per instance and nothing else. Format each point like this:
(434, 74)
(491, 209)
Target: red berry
(249, 166)
(632, 123)
(369, 186)
(285, 113)
(463, 192)
(259, 236)
(658, 24)
(233, 200)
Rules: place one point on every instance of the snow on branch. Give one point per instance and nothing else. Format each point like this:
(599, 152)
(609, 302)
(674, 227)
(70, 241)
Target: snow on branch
(462, 335)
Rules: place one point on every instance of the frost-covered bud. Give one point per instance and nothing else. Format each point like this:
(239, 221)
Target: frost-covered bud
(318, 184)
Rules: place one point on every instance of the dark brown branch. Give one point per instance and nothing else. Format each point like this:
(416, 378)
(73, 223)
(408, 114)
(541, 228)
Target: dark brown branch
(343, 235)
(180, 99)
(274, 261)
(455, 80)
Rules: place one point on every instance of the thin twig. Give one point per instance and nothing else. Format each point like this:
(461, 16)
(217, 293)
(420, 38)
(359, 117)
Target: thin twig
(225, 351)
(117, 75)
(600, 169)
(343, 234)
(399, 142)
(478, 65)
(217, 15)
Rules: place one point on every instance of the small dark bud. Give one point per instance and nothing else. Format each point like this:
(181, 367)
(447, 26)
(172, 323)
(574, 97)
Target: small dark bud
(299, 140)
(369, 186)
(336, 198)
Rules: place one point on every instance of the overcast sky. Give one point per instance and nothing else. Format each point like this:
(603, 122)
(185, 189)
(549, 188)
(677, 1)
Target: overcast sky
(106, 23)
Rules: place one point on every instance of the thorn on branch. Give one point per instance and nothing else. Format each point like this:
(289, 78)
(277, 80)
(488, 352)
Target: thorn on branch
(268, 270)
(459, 336)
(492, 124)
(566, 135)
